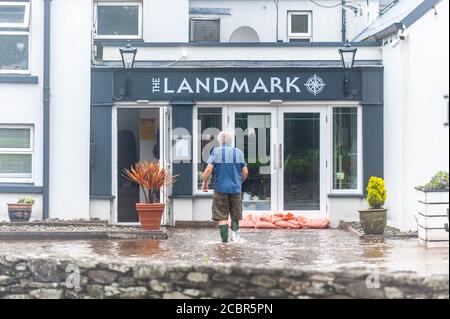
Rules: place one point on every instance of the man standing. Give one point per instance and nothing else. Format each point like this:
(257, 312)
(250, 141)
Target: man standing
(230, 171)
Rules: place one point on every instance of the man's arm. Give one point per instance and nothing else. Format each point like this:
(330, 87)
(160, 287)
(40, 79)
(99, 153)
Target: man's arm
(206, 176)
(244, 174)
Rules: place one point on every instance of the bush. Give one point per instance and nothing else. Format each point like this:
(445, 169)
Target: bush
(439, 182)
(376, 192)
(26, 201)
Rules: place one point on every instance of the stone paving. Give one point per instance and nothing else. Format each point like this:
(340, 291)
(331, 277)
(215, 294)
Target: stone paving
(324, 250)
(192, 263)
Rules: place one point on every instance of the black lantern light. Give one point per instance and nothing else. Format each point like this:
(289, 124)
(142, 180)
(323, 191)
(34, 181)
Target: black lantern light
(128, 57)
(347, 54)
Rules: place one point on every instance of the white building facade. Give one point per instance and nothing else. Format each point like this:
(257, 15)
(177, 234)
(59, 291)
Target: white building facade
(413, 36)
(72, 118)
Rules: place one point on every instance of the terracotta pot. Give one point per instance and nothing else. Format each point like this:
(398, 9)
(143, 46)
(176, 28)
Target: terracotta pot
(150, 215)
(373, 221)
(19, 212)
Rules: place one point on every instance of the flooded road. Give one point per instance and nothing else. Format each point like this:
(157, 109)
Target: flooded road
(315, 249)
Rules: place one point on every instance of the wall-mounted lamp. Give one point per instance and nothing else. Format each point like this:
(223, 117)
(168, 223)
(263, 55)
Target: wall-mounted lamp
(347, 54)
(128, 55)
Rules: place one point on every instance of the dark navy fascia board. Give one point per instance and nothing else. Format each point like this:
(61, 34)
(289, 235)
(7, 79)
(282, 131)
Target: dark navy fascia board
(20, 189)
(21, 79)
(210, 11)
(419, 12)
(236, 44)
(392, 29)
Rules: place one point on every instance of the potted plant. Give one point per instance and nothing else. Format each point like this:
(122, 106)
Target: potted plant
(432, 209)
(374, 219)
(151, 177)
(21, 211)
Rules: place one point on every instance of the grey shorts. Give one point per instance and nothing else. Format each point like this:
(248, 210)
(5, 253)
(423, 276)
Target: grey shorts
(226, 205)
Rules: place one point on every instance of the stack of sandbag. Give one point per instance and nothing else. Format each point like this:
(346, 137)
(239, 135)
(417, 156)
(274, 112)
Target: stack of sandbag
(282, 221)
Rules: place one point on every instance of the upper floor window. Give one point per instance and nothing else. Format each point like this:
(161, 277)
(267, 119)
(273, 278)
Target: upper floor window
(14, 37)
(300, 26)
(118, 20)
(16, 153)
(205, 30)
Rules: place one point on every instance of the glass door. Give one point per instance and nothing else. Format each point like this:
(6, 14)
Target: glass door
(255, 135)
(302, 161)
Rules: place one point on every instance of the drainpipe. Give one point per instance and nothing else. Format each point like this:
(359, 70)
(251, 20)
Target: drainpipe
(344, 24)
(46, 101)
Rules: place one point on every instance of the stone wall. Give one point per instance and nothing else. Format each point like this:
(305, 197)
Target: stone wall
(22, 277)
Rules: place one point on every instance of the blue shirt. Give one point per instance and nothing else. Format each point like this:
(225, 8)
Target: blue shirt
(228, 162)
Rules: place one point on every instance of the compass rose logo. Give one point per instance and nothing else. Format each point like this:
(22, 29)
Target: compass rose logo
(315, 84)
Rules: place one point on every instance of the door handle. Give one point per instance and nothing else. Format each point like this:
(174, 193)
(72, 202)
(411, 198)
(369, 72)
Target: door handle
(281, 156)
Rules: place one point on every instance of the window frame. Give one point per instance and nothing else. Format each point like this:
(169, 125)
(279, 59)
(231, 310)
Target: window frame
(11, 71)
(119, 4)
(19, 178)
(196, 144)
(359, 189)
(292, 35)
(191, 19)
(26, 18)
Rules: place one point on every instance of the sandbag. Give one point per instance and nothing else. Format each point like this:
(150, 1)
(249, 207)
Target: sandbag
(247, 222)
(320, 223)
(262, 223)
(265, 217)
(276, 218)
(287, 224)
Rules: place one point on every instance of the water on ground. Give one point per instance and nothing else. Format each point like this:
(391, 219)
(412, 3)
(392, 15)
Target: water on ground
(315, 249)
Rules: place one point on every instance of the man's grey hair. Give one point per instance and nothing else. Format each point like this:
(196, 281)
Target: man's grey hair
(225, 138)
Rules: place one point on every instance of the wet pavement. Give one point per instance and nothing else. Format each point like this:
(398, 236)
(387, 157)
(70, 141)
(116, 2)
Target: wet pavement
(312, 249)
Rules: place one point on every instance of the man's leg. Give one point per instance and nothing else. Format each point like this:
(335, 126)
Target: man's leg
(223, 226)
(236, 215)
(221, 208)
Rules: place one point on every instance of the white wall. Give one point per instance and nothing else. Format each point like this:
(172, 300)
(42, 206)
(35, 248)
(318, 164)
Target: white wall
(261, 16)
(414, 115)
(70, 108)
(101, 209)
(166, 21)
(22, 104)
(12, 198)
(357, 23)
(395, 75)
(344, 209)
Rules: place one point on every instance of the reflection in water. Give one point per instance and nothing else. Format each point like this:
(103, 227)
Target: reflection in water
(316, 249)
(374, 248)
(141, 248)
(228, 253)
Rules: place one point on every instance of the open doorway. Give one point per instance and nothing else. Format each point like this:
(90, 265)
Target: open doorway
(138, 139)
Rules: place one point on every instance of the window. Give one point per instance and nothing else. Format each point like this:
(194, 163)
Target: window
(209, 125)
(299, 26)
(118, 20)
(14, 14)
(205, 30)
(346, 149)
(14, 37)
(16, 153)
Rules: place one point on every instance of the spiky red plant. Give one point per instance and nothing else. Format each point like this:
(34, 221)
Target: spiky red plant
(151, 177)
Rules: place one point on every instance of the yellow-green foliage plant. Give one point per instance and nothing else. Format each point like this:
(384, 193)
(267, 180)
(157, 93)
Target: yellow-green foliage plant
(376, 192)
